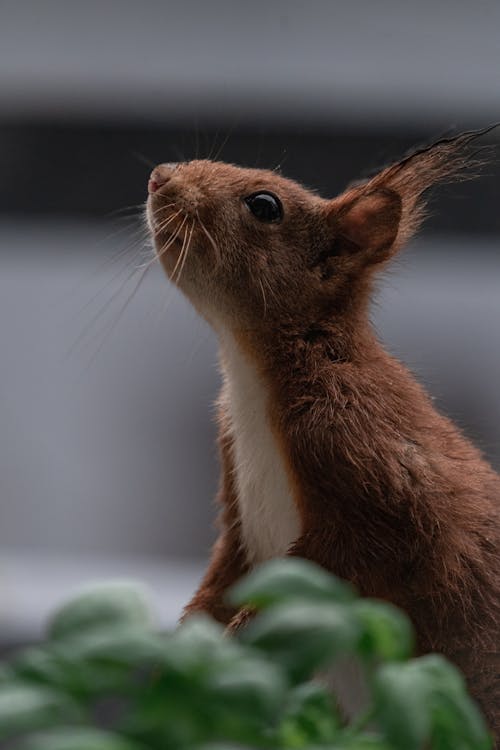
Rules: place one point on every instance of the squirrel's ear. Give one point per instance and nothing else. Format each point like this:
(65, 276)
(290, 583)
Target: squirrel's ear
(377, 217)
(367, 223)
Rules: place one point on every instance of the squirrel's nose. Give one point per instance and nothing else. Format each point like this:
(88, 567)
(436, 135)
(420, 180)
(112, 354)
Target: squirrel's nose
(160, 176)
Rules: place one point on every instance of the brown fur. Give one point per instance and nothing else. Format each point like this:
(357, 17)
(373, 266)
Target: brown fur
(391, 495)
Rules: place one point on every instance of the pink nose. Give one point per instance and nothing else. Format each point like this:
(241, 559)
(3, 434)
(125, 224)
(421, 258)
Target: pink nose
(160, 176)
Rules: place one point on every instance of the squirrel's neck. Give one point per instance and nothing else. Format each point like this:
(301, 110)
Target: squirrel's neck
(295, 351)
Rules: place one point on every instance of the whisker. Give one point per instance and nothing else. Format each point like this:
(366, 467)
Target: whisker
(256, 163)
(123, 209)
(263, 296)
(214, 145)
(161, 227)
(155, 214)
(172, 238)
(188, 245)
(270, 290)
(284, 157)
(162, 208)
(137, 238)
(196, 137)
(206, 144)
(164, 250)
(172, 287)
(164, 224)
(144, 159)
(209, 236)
(103, 266)
(224, 143)
(90, 323)
(167, 245)
(142, 270)
(118, 316)
(137, 230)
(178, 152)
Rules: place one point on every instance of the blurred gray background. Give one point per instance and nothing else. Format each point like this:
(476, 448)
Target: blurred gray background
(107, 458)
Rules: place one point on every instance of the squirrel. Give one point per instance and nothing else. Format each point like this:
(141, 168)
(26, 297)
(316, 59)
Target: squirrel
(330, 449)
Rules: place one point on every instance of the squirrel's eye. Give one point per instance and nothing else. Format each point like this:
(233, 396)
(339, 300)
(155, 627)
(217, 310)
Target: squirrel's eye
(265, 207)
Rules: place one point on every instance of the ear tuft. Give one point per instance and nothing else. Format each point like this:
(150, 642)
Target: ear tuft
(452, 159)
(378, 216)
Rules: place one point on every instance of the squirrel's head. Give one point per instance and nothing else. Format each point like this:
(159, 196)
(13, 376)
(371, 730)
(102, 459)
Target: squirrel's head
(252, 249)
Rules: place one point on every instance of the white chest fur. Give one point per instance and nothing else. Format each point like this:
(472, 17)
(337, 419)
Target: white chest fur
(269, 517)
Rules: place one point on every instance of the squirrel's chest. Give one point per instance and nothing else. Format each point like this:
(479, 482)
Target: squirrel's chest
(269, 517)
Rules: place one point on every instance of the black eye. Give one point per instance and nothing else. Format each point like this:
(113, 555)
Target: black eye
(265, 207)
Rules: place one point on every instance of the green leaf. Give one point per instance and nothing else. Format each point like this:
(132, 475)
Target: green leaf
(386, 632)
(128, 647)
(281, 580)
(39, 664)
(425, 701)
(247, 689)
(197, 687)
(24, 707)
(402, 705)
(6, 674)
(117, 603)
(78, 738)
(198, 644)
(210, 686)
(362, 742)
(456, 720)
(207, 686)
(303, 636)
(310, 716)
(96, 662)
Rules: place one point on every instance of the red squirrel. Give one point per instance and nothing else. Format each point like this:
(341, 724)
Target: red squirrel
(330, 449)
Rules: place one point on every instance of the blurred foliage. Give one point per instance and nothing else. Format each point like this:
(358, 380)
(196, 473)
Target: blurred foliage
(106, 679)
